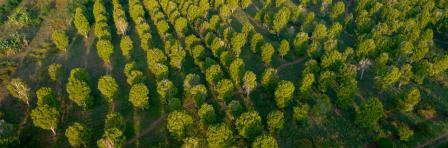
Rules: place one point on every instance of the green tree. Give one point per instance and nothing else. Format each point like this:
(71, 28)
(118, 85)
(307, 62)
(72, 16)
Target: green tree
(238, 41)
(249, 81)
(126, 46)
(249, 124)
(265, 141)
(300, 42)
(245, 3)
(307, 83)
(105, 49)
(207, 113)
(365, 48)
(8, 136)
(269, 78)
(300, 112)
(180, 25)
(46, 117)
(199, 94)
(337, 9)
(233, 4)
(284, 48)
(138, 96)
(178, 123)
(45, 95)
(115, 120)
(256, 42)
(219, 136)
(81, 22)
(370, 111)
(284, 93)
(78, 135)
(213, 74)
(275, 121)
(108, 87)
(388, 79)
(281, 19)
(409, 99)
(237, 69)
(404, 132)
(225, 89)
(191, 80)
(267, 51)
(112, 138)
(55, 72)
(78, 88)
(60, 40)
(166, 89)
(19, 89)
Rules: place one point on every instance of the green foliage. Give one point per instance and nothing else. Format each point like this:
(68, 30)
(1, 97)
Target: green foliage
(370, 111)
(249, 81)
(213, 74)
(8, 136)
(45, 117)
(284, 48)
(199, 94)
(207, 114)
(267, 51)
(105, 49)
(61, 40)
(249, 124)
(181, 26)
(115, 120)
(281, 19)
(265, 141)
(108, 87)
(55, 72)
(409, 99)
(225, 89)
(19, 89)
(256, 42)
(78, 88)
(275, 121)
(300, 42)
(300, 112)
(178, 123)
(81, 22)
(307, 83)
(237, 69)
(78, 135)
(112, 138)
(126, 46)
(238, 41)
(245, 3)
(404, 132)
(284, 93)
(269, 78)
(166, 89)
(219, 136)
(337, 10)
(138, 96)
(45, 95)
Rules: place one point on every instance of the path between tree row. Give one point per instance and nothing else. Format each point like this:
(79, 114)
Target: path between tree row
(435, 141)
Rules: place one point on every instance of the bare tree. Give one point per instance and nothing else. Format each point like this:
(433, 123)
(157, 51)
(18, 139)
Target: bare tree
(364, 64)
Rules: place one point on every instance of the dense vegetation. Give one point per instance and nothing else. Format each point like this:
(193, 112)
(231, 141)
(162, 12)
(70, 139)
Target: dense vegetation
(223, 73)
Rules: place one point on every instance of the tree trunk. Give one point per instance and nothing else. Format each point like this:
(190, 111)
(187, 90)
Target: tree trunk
(362, 73)
(54, 132)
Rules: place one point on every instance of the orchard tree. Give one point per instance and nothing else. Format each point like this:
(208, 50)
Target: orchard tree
(390, 78)
(207, 114)
(46, 117)
(319, 33)
(126, 46)
(108, 87)
(326, 80)
(60, 40)
(213, 74)
(301, 41)
(191, 80)
(269, 78)
(112, 138)
(281, 19)
(300, 112)
(19, 89)
(238, 41)
(365, 48)
(249, 124)
(115, 120)
(105, 49)
(225, 89)
(306, 83)
(119, 16)
(245, 3)
(219, 135)
(265, 141)
(284, 48)
(138, 96)
(370, 111)
(190, 142)
(275, 121)
(284, 93)
(55, 72)
(81, 22)
(78, 89)
(409, 99)
(8, 136)
(180, 25)
(256, 42)
(178, 123)
(78, 135)
(237, 69)
(337, 10)
(249, 82)
(267, 51)
(199, 94)
(45, 95)
(166, 89)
